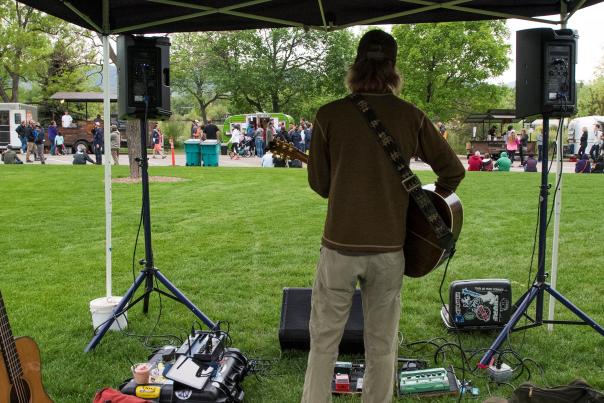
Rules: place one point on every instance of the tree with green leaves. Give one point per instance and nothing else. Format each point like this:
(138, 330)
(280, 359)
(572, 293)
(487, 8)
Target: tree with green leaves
(446, 66)
(24, 45)
(280, 70)
(193, 69)
(591, 94)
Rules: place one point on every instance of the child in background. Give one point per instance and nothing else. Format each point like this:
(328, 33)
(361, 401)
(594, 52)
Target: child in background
(487, 163)
(60, 144)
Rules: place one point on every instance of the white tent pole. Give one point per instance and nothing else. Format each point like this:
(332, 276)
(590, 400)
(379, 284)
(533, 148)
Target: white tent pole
(107, 150)
(557, 204)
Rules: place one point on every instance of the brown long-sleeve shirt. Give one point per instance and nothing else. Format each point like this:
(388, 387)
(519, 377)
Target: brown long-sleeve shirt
(367, 205)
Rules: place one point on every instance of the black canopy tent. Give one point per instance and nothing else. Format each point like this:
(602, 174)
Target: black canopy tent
(164, 16)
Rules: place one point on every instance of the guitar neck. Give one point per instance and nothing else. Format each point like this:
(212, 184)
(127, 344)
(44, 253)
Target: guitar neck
(282, 149)
(8, 346)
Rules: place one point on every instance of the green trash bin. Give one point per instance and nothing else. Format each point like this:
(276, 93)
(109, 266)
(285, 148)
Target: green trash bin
(193, 153)
(210, 153)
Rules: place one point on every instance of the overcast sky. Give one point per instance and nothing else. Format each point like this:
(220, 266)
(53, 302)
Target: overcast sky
(588, 23)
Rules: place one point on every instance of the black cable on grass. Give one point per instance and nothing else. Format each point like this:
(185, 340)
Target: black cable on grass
(140, 223)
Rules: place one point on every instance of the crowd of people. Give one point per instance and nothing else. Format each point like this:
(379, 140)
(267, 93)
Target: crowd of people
(592, 162)
(34, 138)
(257, 137)
(587, 162)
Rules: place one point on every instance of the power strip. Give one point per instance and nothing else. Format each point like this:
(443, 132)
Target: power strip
(500, 374)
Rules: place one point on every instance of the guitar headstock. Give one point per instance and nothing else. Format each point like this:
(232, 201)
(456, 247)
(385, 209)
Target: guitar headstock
(284, 150)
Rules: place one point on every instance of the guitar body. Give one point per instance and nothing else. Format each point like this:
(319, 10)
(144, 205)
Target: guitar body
(29, 356)
(422, 252)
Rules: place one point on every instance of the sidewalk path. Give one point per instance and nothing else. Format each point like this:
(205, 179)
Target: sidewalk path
(225, 161)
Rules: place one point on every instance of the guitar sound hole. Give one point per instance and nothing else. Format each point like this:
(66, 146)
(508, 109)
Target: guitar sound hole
(20, 393)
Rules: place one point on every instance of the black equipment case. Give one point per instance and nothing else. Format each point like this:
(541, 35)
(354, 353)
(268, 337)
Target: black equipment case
(478, 304)
(224, 386)
(295, 315)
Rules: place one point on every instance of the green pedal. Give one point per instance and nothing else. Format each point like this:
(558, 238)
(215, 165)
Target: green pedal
(424, 381)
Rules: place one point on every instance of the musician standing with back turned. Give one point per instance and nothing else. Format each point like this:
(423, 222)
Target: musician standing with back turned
(365, 226)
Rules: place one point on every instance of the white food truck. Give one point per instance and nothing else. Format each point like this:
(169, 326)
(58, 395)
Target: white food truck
(575, 130)
(11, 115)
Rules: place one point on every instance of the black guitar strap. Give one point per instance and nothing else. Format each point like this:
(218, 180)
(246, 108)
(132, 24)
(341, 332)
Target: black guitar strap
(409, 180)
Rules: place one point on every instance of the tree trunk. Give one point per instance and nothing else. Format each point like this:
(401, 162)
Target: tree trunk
(133, 136)
(15, 89)
(275, 101)
(203, 109)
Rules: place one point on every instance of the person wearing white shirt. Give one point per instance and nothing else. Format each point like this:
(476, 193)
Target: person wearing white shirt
(66, 119)
(267, 160)
(235, 138)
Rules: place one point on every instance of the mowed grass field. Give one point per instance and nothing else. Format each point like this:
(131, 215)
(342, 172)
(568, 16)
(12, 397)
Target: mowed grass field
(231, 239)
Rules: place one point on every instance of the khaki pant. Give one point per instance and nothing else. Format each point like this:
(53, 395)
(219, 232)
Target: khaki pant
(31, 149)
(115, 154)
(380, 277)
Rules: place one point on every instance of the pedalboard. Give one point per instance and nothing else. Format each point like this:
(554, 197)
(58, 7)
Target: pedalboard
(202, 370)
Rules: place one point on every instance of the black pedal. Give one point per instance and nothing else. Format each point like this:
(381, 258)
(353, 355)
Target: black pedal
(203, 346)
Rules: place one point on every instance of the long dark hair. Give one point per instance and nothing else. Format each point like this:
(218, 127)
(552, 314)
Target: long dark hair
(374, 76)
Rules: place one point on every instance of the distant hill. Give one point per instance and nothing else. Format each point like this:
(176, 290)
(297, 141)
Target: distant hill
(112, 78)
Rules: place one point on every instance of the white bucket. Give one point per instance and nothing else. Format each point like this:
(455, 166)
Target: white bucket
(102, 310)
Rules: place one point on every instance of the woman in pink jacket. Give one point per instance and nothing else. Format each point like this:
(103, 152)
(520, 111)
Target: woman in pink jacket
(512, 144)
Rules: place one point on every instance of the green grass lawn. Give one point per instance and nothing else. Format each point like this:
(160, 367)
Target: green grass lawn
(230, 239)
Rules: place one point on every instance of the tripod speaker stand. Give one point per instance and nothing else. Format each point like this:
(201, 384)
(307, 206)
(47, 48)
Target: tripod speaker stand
(149, 272)
(540, 286)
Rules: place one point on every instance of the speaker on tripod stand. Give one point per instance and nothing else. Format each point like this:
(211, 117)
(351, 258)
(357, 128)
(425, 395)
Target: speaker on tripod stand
(144, 92)
(545, 85)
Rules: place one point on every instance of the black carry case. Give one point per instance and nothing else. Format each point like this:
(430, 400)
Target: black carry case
(478, 304)
(295, 315)
(223, 387)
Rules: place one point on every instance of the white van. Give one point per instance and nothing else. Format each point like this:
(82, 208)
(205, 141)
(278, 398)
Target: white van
(575, 130)
(11, 115)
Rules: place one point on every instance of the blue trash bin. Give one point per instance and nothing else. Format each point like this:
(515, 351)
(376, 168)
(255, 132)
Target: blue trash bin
(193, 153)
(210, 153)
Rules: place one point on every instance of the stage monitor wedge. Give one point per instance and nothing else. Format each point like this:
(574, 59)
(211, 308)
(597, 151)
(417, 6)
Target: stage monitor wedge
(545, 72)
(143, 71)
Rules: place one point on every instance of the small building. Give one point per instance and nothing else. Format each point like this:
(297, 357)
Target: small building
(11, 115)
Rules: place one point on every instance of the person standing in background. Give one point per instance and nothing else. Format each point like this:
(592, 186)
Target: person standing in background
(511, 144)
(52, 134)
(308, 136)
(259, 141)
(31, 138)
(115, 144)
(66, 119)
(523, 146)
(157, 142)
(21, 132)
(583, 142)
(97, 142)
(60, 144)
(539, 146)
(39, 142)
(210, 131)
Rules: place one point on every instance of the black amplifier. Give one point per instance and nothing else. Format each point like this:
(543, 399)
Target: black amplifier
(223, 383)
(478, 304)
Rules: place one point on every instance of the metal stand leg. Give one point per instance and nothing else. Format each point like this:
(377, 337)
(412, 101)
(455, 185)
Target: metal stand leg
(149, 273)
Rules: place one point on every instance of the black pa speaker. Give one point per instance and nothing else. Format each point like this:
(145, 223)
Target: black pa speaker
(295, 315)
(545, 72)
(143, 72)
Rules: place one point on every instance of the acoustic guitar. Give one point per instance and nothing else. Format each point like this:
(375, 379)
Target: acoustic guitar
(20, 368)
(422, 252)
